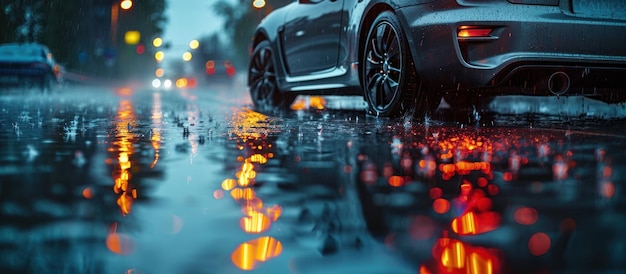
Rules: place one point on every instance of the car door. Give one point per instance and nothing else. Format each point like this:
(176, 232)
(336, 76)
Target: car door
(311, 36)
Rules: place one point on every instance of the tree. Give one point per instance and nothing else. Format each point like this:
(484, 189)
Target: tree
(14, 15)
(148, 18)
(240, 21)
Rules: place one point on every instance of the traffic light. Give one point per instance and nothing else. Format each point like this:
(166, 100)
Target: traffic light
(140, 48)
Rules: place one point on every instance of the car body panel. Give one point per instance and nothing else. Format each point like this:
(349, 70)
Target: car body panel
(311, 36)
(525, 36)
(530, 40)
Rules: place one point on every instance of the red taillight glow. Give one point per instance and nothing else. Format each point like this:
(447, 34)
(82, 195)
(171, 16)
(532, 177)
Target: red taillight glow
(468, 32)
(230, 70)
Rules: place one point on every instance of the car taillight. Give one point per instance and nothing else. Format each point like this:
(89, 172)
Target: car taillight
(210, 67)
(230, 70)
(473, 32)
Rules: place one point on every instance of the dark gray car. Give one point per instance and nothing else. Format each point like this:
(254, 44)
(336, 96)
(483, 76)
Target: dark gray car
(403, 55)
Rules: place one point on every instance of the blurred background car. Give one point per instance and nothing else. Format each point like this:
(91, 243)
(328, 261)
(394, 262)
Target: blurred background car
(29, 64)
(174, 82)
(219, 71)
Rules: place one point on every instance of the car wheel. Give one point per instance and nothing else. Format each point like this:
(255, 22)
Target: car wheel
(264, 90)
(390, 84)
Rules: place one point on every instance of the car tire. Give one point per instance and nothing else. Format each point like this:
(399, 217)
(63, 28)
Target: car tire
(390, 84)
(264, 90)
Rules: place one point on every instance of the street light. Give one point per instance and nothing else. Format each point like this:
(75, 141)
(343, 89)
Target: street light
(157, 42)
(194, 44)
(126, 4)
(159, 56)
(258, 4)
(132, 37)
(187, 56)
(115, 14)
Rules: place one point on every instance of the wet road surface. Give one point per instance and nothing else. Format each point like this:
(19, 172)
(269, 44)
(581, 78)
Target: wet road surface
(132, 180)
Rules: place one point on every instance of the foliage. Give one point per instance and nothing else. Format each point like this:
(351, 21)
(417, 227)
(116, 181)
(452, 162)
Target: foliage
(15, 15)
(241, 20)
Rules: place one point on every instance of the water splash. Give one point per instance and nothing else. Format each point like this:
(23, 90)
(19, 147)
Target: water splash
(31, 153)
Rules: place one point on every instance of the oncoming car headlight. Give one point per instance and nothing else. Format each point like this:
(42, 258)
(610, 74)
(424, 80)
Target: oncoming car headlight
(159, 83)
(167, 83)
(156, 83)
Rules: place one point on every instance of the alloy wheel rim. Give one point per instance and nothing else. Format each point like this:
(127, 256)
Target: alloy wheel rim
(263, 76)
(383, 66)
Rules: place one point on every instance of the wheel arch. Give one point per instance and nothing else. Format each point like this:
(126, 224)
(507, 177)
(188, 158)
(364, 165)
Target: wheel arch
(269, 29)
(259, 36)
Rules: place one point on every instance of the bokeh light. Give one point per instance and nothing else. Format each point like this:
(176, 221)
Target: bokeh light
(156, 83)
(126, 4)
(119, 243)
(194, 44)
(396, 181)
(181, 82)
(229, 184)
(87, 193)
(159, 56)
(441, 206)
(539, 244)
(157, 42)
(132, 37)
(258, 4)
(526, 215)
(187, 56)
(159, 72)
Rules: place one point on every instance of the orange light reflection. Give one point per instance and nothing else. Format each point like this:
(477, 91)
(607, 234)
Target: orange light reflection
(157, 122)
(454, 256)
(255, 223)
(251, 141)
(118, 243)
(249, 254)
(126, 121)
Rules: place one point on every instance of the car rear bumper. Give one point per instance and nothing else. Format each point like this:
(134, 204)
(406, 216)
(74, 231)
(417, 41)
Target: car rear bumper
(526, 45)
(14, 77)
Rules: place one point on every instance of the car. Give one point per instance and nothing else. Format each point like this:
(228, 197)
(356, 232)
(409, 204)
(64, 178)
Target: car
(29, 64)
(172, 82)
(161, 83)
(219, 71)
(405, 56)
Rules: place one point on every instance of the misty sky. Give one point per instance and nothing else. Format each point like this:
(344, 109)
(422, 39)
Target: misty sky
(188, 20)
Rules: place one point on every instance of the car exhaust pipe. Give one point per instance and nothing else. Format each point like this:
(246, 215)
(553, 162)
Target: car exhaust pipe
(558, 83)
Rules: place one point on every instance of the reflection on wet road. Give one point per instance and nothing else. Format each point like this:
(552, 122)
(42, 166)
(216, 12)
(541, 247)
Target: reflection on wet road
(496, 200)
(130, 180)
